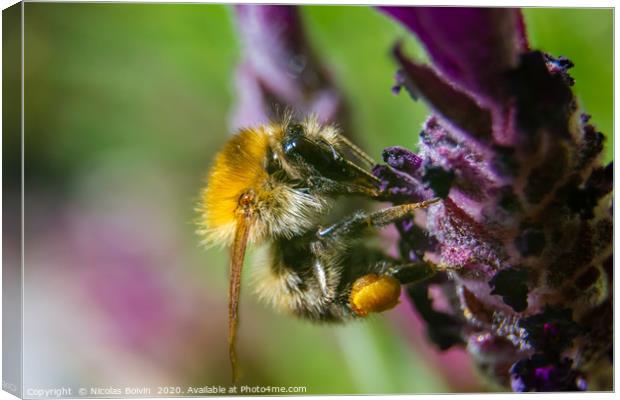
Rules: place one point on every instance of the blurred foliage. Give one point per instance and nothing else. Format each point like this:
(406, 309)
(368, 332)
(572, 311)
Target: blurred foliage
(148, 88)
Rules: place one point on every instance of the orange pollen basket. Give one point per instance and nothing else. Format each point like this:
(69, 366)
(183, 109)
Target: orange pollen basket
(374, 293)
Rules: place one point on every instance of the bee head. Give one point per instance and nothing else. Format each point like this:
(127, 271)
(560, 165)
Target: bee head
(295, 129)
(243, 182)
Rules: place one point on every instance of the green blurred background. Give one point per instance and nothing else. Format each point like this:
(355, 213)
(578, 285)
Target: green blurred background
(126, 105)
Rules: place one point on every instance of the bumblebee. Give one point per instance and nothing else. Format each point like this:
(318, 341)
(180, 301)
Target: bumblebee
(275, 185)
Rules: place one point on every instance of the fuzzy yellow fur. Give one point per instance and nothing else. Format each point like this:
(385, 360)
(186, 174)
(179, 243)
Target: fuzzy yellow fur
(238, 167)
(278, 208)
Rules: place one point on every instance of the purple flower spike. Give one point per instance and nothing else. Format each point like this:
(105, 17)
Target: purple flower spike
(279, 70)
(472, 47)
(445, 99)
(402, 159)
(524, 229)
(550, 331)
(401, 179)
(540, 374)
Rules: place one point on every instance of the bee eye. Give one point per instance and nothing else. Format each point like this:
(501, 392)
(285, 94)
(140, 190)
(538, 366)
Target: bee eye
(295, 130)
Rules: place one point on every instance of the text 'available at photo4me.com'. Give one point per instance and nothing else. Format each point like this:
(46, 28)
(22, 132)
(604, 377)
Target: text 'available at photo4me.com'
(164, 391)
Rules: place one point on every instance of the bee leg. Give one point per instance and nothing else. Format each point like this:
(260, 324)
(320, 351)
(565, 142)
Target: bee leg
(411, 272)
(323, 185)
(321, 276)
(380, 289)
(355, 224)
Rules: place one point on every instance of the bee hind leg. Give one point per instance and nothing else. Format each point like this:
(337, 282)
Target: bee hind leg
(379, 290)
(410, 272)
(374, 281)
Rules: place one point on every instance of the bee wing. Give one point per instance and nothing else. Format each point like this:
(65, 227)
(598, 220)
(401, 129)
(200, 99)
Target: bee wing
(236, 264)
(330, 163)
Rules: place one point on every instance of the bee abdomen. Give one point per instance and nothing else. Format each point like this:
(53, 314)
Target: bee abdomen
(289, 281)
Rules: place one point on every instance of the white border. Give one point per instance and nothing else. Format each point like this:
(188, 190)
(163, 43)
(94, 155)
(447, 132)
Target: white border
(489, 3)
